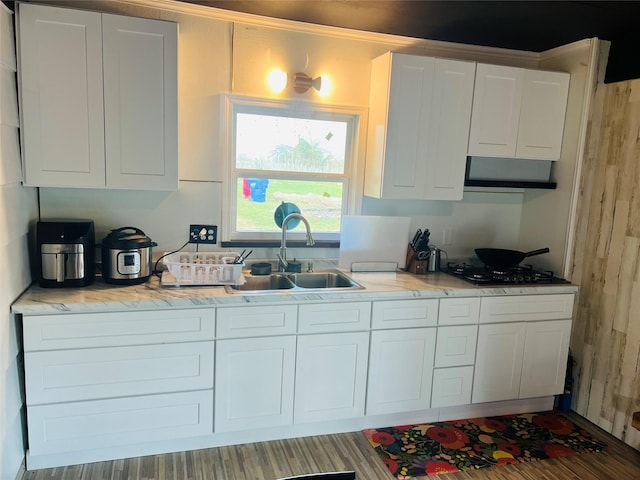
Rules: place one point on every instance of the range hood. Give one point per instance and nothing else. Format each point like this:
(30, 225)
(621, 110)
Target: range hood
(508, 172)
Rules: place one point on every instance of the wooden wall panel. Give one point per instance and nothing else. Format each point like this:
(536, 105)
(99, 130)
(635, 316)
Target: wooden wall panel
(606, 264)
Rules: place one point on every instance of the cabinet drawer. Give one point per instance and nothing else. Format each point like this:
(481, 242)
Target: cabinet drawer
(235, 322)
(78, 426)
(525, 308)
(50, 332)
(405, 313)
(456, 346)
(334, 317)
(458, 311)
(452, 386)
(84, 374)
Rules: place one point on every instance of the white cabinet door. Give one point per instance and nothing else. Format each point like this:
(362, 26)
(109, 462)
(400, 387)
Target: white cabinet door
(254, 383)
(544, 103)
(400, 370)
(498, 362)
(420, 109)
(60, 72)
(545, 358)
(406, 121)
(496, 111)
(331, 376)
(449, 129)
(140, 102)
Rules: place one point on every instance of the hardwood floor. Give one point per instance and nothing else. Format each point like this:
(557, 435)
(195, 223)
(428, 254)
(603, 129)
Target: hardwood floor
(350, 451)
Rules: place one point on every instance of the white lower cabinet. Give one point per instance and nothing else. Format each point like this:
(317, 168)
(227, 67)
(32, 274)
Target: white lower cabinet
(113, 380)
(400, 370)
(107, 385)
(331, 376)
(254, 383)
(524, 354)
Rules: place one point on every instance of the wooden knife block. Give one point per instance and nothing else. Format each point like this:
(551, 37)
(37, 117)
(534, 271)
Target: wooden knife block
(412, 265)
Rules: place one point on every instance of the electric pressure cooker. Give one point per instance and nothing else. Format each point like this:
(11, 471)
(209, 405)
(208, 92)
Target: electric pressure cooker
(126, 256)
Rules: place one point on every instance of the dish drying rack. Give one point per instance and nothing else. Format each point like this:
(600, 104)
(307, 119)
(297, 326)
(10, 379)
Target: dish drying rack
(202, 268)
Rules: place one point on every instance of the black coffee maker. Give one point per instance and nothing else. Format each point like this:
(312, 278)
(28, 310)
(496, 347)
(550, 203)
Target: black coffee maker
(66, 253)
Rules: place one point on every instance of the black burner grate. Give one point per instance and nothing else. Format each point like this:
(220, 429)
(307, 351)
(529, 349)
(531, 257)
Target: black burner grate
(484, 275)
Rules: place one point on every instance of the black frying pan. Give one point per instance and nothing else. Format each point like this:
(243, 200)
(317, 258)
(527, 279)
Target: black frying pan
(502, 259)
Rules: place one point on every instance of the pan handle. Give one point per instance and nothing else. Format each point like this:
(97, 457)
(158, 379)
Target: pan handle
(536, 252)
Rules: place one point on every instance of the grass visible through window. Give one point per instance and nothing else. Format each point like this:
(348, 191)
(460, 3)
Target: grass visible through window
(320, 203)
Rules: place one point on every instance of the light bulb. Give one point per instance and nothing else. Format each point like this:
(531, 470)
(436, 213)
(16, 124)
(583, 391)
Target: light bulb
(277, 80)
(326, 86)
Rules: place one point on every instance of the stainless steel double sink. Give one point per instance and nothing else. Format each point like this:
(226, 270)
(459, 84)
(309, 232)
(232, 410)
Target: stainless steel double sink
(284, 282)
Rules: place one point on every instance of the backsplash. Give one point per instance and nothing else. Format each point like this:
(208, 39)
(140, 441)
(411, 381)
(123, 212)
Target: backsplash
(481, 219)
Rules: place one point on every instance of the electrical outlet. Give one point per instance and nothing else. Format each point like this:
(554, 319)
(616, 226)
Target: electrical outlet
(203, 234)
(447, 235)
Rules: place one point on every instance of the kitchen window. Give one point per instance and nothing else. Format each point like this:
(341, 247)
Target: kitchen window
(293, 152)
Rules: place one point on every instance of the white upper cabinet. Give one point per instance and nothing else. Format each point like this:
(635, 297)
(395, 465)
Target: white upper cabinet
(419, 115)
(518, 113)
(99, 99)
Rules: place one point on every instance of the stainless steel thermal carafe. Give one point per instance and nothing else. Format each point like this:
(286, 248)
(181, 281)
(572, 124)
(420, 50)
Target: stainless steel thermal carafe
(433, 261)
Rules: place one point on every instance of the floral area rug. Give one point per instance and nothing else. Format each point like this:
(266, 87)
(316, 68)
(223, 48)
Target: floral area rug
(446, 447)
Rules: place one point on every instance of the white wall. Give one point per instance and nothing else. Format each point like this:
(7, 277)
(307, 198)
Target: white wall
(551, 210)
(18, 208)
(223, 52)
(480, 219)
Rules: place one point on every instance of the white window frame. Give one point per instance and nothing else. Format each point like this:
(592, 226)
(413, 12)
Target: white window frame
(352, 177)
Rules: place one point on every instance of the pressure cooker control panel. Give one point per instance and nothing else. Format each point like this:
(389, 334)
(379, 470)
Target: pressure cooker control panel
(128, 263)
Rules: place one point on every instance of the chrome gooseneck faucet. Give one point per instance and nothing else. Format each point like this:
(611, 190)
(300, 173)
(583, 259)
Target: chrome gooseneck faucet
(282, 256)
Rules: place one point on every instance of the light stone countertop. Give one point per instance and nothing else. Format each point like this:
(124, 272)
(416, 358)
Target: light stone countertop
(103, 297)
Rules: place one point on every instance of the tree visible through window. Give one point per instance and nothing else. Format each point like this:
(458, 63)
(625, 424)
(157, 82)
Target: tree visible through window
(284, 154)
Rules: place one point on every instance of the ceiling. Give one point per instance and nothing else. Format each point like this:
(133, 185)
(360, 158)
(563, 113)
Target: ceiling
(534, 26)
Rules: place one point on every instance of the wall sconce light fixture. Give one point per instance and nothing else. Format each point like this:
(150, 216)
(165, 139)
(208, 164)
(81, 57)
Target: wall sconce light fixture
(301, 82)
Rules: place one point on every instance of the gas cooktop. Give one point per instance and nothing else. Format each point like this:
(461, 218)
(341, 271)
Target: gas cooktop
(484, 275)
